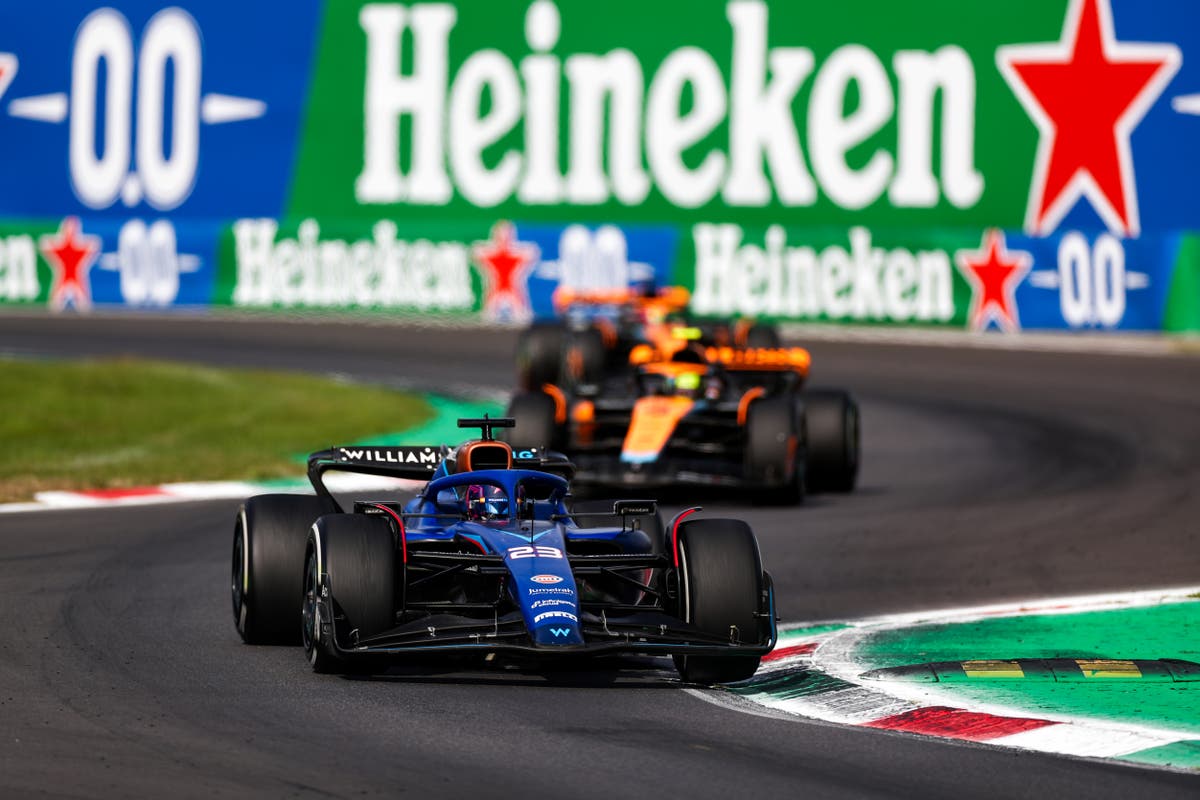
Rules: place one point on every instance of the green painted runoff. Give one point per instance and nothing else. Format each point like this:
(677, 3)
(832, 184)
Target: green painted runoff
(1164, 631)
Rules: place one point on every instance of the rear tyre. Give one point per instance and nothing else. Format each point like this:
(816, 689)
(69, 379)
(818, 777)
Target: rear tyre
(775, 443)
(761, 335)
(720, 586)
(539, 355)
(533, 414)
(268, 558)
(358, 554)
(831, 419)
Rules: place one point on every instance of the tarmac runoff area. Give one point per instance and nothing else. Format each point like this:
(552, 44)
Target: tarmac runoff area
(1105, 676)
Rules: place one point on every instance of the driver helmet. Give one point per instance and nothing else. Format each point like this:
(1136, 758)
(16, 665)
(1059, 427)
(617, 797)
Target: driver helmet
(713, 387)
(687, 384)
(485, 501)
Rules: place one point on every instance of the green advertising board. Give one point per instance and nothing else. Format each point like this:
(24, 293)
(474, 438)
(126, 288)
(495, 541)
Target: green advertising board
(796, 113)
(1011, 165)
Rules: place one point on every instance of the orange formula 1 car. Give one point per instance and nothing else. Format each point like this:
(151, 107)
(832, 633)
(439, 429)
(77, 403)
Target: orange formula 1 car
(723, 416)
(598, 329)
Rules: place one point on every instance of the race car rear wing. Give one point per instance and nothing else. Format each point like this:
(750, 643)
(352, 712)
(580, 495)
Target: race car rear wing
(413, 463)
(544, 460)
(416, 463)
(760, 359)
(668, 298)
(732, 359)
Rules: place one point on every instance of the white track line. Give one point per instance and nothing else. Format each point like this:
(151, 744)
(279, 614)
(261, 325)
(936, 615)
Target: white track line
(213, 490)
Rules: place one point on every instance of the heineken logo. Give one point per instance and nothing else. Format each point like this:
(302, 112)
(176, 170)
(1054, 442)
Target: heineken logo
(781, 128)
(71, 254)
(18, 268)
(859, 281)
(1086, 93)
(505, 263)
(384, 270)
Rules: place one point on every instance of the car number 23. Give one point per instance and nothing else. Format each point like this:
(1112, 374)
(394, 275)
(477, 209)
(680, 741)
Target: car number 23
(534, 551)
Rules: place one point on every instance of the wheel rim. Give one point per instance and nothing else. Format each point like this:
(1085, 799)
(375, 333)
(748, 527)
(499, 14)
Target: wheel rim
(685, 605)
(238, 569)
(310, 615)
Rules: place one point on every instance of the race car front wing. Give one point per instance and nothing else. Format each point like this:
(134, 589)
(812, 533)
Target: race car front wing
(606, 628)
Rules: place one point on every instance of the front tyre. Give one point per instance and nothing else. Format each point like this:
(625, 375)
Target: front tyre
(349, 588)
(720, 586)
(269, 536)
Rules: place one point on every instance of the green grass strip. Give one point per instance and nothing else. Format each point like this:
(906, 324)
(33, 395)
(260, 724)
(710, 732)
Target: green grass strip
(123, 422)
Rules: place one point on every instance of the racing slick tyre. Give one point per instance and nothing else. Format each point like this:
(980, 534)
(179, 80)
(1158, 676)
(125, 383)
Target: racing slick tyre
(540, 355)
(651, 524)
(268, 558)
(763, 336)
(535, 423)
(358, 554)
(775, 449)
(584, 357)
(720, 587)
(831, 421)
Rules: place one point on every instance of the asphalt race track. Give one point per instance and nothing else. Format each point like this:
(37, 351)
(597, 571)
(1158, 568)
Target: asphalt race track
(988, 476)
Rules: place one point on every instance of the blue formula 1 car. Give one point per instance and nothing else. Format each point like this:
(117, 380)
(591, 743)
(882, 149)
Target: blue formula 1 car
(488, 558)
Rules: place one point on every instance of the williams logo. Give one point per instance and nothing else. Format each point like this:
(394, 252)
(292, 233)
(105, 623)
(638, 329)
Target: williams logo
(561, 633)
(423, 456)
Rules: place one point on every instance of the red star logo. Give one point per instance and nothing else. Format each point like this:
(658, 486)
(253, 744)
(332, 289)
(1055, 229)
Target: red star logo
(505, 265)
(994, 274)
(70, 254)
(1086, 93)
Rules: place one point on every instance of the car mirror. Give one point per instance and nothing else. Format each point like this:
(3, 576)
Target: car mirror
(629, 508)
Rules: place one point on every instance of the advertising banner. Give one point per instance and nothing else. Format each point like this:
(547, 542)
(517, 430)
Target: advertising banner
(1021, 165)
